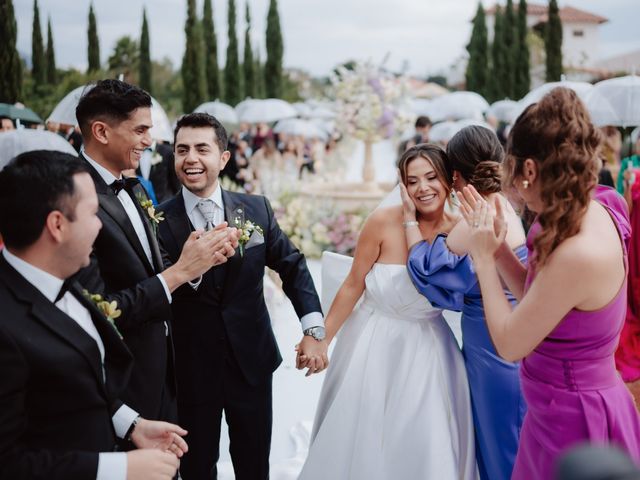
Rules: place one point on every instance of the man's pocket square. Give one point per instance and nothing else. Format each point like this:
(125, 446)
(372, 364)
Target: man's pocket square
(255, 240)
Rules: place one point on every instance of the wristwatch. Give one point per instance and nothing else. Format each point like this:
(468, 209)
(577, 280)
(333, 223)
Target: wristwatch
(317, 333)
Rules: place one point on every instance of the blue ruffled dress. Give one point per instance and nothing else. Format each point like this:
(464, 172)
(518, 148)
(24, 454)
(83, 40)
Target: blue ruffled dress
(449, 281)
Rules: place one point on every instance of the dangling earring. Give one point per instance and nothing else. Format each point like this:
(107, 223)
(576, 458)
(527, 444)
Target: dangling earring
(525, 184)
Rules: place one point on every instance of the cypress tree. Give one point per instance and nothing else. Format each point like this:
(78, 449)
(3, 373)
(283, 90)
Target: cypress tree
(497, 58)
(273, 66)
(232, 67)
(553, 43)
(248, 65)
(510, 50)
(259, 76)
(211, 52)
(477, 74)
(192, 66)
(523, 76)
(39, 67)
(145, 55)
(94, 43)
(10, 64)
(52, 74)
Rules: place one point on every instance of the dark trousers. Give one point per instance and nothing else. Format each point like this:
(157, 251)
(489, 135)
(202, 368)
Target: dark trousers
(248, 412)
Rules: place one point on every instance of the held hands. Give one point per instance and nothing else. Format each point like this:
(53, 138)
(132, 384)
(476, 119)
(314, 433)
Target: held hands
(312, 354)
(488, 228)
(160, 447)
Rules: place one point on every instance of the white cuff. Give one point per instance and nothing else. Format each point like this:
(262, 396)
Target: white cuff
(195, 283)
(166, 287)
(313, 319)
(123, 419)
(112, 466)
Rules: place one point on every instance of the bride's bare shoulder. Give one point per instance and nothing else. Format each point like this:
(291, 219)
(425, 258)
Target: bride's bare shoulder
(386, 215)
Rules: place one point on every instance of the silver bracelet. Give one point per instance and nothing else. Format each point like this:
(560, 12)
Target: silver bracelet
(413, 223)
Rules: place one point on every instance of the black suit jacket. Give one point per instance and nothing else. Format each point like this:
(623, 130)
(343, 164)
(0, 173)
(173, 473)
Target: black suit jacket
(120, 271)
(55, 407)
(232, 294)
(163, 174)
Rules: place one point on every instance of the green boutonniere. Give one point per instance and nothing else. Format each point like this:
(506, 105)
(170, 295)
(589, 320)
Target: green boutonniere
(108, 309)
(155, 217)
(246, 230)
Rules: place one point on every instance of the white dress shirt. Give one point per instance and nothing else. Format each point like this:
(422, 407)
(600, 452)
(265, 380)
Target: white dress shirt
(111, 465)
(313, 319)
(132, 213)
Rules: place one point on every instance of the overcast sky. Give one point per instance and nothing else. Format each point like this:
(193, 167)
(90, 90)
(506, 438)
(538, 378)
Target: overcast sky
(426, 36)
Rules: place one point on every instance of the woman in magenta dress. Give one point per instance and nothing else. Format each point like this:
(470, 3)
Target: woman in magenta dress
(573, 291)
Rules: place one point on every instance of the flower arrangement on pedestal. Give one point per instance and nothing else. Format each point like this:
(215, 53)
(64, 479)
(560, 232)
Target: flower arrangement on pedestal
(372, 105)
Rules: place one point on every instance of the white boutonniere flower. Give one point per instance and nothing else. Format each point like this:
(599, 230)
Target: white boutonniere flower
(154, 216)
(246, 230)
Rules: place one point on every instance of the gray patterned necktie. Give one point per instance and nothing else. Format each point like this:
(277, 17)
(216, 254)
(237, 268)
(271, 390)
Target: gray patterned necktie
(208, 210)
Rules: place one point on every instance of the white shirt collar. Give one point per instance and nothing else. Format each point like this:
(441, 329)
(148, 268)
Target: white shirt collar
(46, 283)
(106, 175)
(191, 199)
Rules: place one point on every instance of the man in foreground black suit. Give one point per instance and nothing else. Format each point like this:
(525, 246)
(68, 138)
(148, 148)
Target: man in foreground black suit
(62, 363)
(225, 348)
(127, 264)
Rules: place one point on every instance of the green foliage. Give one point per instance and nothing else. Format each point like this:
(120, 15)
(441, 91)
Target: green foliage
(167, 86)
(248, 65)
(522, 70)
(553, 43)
(273, 66)
(509, 51)
(52, 75)
(477, 74)
(214, 88)
(261, 89)
(125, 59)
(496, 86)
(145, 55)
(39, 68)
(232, 86)
(193, 79)
(93, 42)
(10, 64)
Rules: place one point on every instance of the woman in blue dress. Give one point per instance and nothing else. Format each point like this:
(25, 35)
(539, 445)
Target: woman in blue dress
(442, 271)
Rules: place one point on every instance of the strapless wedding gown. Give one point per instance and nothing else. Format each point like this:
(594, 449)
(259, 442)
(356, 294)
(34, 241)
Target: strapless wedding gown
(395, 401)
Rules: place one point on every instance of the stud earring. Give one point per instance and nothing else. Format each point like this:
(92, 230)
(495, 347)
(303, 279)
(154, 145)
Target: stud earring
(525, 184)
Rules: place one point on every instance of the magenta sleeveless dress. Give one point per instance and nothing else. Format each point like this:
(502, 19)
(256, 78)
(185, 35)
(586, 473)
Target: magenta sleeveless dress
(570, 383)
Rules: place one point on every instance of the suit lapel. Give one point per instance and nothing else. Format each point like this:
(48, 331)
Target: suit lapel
(117, 359)
(111, 205)
(178, 222)
(54, 319)
(148, 228)
(234, 212)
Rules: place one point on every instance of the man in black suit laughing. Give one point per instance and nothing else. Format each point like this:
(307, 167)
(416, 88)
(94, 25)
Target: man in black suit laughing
(62, 364)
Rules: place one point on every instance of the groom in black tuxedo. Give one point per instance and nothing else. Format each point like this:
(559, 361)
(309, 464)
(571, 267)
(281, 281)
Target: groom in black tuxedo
(225, 347)
(62, 364)
(127, 264)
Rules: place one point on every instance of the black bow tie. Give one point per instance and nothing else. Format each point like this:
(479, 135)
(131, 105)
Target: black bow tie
(66, 285)
(123, 184)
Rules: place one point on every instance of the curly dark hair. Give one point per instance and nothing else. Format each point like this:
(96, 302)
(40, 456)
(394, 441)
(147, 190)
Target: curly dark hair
(476, 153)
(558, 135)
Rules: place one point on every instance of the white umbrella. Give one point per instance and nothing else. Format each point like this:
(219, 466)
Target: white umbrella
(615, 102)
(458, 105)
(161, 129)
(302, 108)
(15, 142)
(65, 112)
(444, 131)
(321, 112)
(299, 127)
(421, 106)
(535, 95)
(223, 112)
(503, 110)
(265, 111)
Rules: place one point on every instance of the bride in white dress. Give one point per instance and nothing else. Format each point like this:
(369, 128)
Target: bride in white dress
(395, 400)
